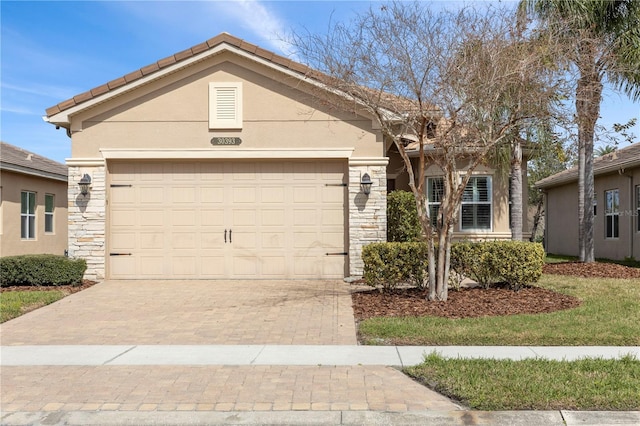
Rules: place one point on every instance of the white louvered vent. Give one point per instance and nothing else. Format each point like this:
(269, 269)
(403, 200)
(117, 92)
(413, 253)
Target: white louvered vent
(225, 105)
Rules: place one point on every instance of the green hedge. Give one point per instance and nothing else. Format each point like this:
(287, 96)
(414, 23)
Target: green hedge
(516, 262)
(41, 269)
(403, 224)
(386, 265)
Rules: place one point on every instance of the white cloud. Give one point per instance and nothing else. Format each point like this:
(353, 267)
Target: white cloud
(261, 21)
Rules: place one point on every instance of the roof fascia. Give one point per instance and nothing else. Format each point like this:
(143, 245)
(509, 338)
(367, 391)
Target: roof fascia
(32, 172)
(63, 118)
(600, 171)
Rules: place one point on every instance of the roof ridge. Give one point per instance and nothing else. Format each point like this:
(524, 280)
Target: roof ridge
(12, 155)
(601, 164)
(178, 57)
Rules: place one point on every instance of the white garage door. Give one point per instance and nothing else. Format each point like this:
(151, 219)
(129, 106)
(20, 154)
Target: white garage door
(207, 220)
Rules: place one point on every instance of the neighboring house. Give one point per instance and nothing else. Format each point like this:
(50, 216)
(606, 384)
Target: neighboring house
(228, 161)
(33, 203)
(616, 208)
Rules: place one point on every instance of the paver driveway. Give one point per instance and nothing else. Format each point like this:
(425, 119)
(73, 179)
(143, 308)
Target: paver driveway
(193, 312)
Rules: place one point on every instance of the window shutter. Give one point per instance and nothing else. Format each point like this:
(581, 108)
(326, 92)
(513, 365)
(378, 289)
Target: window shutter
(225, 105)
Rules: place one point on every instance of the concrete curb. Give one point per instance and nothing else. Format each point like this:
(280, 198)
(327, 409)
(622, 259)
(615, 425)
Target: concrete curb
(435, 418)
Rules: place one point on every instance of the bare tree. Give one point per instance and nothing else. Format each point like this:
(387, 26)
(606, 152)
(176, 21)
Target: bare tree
(462, 73)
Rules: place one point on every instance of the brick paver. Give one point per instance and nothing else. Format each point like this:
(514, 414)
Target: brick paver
(193, 312)
(202, 313)
(214, 388)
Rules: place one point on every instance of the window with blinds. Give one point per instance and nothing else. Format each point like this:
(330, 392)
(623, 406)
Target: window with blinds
(225, 105)
(476, 204)
(435, 191)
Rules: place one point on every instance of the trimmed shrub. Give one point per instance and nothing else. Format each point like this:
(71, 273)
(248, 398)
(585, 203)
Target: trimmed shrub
(386, 265)
(403, 224)
(41, 270)
(515, 262)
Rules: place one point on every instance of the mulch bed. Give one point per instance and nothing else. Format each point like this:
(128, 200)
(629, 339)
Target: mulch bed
(466, 303)
(67, 289)
(478, 302)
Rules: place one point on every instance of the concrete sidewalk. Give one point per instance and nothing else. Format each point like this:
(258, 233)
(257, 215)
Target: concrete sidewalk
(286, 355)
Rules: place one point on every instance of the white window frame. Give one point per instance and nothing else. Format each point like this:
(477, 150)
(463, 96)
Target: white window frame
(27, 217)
(489, 202)
(225, 106)
(434, 203)
(612, 210)
(49, 215)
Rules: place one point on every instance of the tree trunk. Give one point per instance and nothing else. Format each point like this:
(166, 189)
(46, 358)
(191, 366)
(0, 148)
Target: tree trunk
(516, 191)
(588, 97)
(536, 219)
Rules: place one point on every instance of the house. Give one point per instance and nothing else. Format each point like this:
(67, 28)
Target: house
(227, 161)
(33, 203)
(616, 207)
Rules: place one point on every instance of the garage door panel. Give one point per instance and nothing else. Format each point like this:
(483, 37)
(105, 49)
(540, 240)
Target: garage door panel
(272, 240)
(281, 218)
(152, 240)
(212, 195)
(213, 265)
(183, 218)
(273, 266)
(183, 195)
(306, 217)
(244, 217)
(123, 241)
(152, 265)
(332, 217)
(184, 266)
(150, 195)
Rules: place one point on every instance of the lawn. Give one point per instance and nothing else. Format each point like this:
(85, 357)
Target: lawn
(15, 303)
(609, 316)
(534, 384)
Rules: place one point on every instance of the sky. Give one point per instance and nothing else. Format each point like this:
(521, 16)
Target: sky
(51, 51)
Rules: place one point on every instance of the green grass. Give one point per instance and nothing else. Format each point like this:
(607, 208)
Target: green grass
(609, 316)
(15, 303)
(534, 384)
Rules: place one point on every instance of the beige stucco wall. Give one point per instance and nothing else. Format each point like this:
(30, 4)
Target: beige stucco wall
(169, 118)
(561, 233)
(10, 242)
(500, 197)
(278, 112)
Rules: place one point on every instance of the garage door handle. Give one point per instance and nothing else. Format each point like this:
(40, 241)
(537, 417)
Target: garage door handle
(342, 253)
(225, 236)
(229, 235)
(120, 254)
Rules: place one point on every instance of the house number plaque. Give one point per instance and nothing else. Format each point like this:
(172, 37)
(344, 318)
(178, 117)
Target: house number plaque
(225, 141)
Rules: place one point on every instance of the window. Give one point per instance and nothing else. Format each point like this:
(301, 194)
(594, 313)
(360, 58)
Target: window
(612, 213)
(225, 105)
(27, 215)
(638, 208)
(476, 204)
(435, 191)
(48, 213)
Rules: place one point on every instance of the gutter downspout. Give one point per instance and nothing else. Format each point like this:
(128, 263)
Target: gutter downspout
(630, 215)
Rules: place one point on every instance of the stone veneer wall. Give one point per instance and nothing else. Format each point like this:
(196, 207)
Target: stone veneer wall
(367, 214)
(87, 219)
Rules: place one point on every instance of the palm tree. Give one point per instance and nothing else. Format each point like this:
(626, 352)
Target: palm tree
(599, 38)
(604, 150)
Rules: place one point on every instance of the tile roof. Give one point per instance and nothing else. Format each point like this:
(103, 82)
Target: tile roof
(176, 58)
(20, 160)
(624, 158)
(393, 102)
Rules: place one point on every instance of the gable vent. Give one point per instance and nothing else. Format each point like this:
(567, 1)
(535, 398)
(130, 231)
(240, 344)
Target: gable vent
(225, 105)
